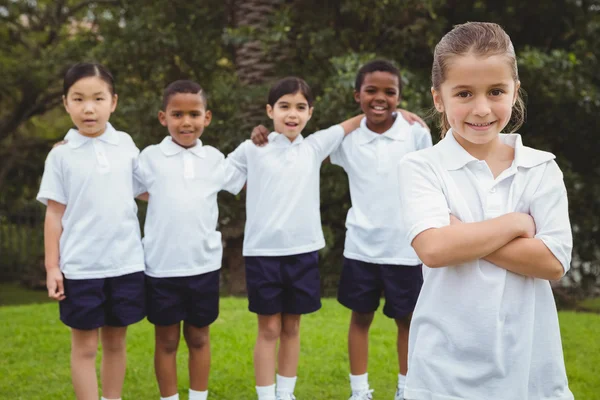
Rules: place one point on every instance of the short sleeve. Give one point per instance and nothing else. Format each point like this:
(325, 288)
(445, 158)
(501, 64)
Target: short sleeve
(324, 142)
(423, 138)
(423, 204)
(234, 178)
(238, 158)
(338, 156)
(550, 211)
(140, 175)
(52, 186)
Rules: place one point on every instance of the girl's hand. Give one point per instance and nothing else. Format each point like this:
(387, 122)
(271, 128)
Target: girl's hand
(55, 284)
(412, 118)
(260, 136)
(527, 224)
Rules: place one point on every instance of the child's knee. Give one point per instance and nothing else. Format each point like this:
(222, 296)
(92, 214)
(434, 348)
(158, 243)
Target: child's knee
(362, 320)
(270, 332)
(197, 340)
(404, 322)
(87, 351)
(167, 345)
(290, 328)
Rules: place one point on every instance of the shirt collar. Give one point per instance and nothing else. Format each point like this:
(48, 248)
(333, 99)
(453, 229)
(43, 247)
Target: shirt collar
(76, 139)
(170, 148)
(398, 131)
(454, 156)
(280, 140)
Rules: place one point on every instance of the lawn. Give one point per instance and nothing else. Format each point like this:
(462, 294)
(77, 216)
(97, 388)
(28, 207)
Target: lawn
(34, 356)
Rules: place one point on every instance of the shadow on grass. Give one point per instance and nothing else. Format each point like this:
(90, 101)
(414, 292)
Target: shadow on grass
(13, 294)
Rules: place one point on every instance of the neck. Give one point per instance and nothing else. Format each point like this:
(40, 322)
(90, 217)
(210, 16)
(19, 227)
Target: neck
(183, 145)
(381, 127)
(479, 151)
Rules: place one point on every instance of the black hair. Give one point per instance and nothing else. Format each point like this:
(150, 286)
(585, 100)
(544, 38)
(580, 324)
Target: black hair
(376, 66)
(85, 70)
(182, 86)
(290, 85)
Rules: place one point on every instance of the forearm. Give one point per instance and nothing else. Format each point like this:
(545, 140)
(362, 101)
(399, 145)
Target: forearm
(460, 243)
(528, 257)
(52, 231)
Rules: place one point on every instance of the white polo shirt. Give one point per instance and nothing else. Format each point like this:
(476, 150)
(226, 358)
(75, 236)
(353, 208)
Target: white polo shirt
(94, 179)
(374, 222)
(180, 232)
(479, 331)
(283, 200)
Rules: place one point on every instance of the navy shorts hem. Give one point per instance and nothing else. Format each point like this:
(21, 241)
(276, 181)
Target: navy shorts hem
(362, 285)
(191, 299)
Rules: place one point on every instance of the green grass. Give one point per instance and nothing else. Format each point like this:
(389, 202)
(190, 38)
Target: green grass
(34, 355)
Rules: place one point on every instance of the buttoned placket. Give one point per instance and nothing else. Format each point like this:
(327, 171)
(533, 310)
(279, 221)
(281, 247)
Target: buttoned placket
(103, 165)
(381, 154)
(491, 197)
(188, 165)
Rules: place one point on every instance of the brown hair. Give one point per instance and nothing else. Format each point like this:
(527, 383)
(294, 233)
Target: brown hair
(481, 39)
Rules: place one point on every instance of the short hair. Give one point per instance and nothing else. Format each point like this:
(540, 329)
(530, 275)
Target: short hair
(482, 39)
(85, 70)
(182, 86)
(377, 66)
(290, 85)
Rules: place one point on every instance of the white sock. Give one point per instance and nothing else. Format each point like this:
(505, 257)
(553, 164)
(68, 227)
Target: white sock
(104, 398)
(359, 383)
(285, 385)
(401, 383)
(266, 392)
(174, 397)
(196, 395)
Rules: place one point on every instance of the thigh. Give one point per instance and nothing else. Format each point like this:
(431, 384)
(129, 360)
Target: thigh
(165, 299)
(202, 299)
(264, 285)
(302, 283)
(402, 285)
(126, 299)
(84, 303)
(360, 286)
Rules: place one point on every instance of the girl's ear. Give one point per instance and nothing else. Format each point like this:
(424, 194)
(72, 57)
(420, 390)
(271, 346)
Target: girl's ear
(437, 100)
(115, 100)
(357, 96)
(270, 111)
(65, 104)
(162, 118)
(310, 111)
(516, 96)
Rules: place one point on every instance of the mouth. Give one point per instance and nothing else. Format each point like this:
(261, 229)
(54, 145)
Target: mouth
(480, 126)
(186, 133)
(89, 121)
(379, 109)
(291, 124)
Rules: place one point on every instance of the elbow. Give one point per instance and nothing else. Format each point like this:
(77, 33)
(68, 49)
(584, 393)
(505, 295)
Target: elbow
(557, 271)
(430, 257)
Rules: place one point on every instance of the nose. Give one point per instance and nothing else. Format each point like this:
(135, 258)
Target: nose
(481, 107)
(186, 121)
(88, 107)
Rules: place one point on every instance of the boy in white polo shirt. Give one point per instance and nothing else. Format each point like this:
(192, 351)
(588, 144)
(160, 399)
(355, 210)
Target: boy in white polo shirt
(376, 258)
(182, 246)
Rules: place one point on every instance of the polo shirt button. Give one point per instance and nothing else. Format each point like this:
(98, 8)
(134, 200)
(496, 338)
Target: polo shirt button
(493, 189)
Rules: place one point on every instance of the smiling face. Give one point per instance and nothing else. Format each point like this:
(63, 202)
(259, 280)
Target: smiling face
(185, 117)
(477, 95)
(90, 102)
(290, 114)
(378, 98)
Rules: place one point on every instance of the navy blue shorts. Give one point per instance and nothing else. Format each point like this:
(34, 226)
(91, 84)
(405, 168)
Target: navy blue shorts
(361, 284)
(192, 299)
(93, 303)
(284, 284)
